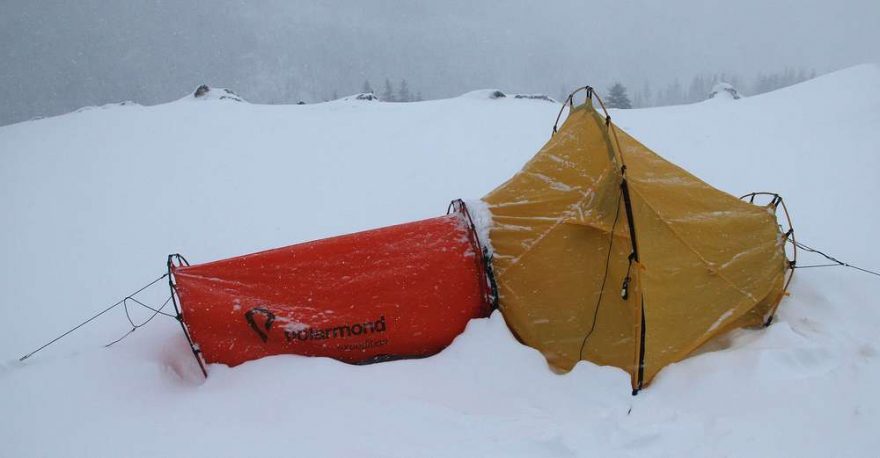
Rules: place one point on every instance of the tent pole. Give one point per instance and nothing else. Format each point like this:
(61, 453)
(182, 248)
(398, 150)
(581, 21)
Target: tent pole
(171, 285)
(634, 256)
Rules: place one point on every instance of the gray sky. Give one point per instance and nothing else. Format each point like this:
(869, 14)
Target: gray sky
(56, 56)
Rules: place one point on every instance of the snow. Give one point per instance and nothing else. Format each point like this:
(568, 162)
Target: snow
(543, 97)
(481, 94)
(360, 97)
(205, 92)
(93, 201)
(481, 215)
(723, 91)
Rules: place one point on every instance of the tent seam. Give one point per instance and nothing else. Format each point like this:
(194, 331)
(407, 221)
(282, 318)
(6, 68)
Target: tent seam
(568, 213)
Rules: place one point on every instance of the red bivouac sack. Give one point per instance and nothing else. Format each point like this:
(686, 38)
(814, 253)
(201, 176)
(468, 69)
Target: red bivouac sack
(402, 291)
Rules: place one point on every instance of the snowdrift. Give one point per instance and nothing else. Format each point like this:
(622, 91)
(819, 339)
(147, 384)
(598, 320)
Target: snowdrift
(94, 200)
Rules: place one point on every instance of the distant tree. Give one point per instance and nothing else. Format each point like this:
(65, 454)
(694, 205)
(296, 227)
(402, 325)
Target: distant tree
(403, 94)
(771, 82)
(418, 97)
(699, 89)
(673, 94)
(647, 95)
(388, 93)
(335, 95)
(637, 101)
(617, 97)
(367, 89)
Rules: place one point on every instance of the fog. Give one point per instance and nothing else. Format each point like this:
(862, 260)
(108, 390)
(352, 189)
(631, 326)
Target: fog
(56, 56)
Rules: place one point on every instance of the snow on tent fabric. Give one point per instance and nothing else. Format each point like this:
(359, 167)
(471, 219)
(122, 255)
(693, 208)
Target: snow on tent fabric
(397, 292)
(568, 281)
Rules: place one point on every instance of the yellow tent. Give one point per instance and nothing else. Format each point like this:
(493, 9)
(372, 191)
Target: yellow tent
(606, 252)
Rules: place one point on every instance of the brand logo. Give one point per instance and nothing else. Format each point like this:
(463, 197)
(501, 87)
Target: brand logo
(261, 320)
(261, 329)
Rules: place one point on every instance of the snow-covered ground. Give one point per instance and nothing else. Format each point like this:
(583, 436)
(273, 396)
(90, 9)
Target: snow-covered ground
(93, 201)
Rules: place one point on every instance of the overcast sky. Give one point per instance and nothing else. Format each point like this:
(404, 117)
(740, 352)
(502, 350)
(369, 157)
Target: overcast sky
(56, 56)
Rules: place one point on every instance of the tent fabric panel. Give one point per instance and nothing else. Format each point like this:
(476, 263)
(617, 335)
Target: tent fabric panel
(552, 223)
(739, 240)
(686, 303)
(708, 257)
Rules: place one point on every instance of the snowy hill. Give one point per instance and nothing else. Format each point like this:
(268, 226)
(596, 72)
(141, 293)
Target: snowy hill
(93, 201)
